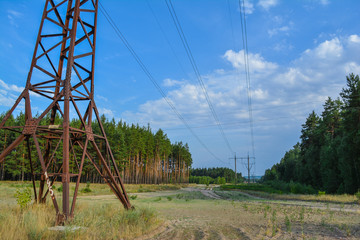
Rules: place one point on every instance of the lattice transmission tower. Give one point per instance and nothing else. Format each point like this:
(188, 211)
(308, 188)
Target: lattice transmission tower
(62, 76)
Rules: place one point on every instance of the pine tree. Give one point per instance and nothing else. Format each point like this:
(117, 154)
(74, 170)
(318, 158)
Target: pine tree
(349, 150)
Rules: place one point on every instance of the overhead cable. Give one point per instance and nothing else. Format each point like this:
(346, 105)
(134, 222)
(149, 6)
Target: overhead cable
(149, 75)
(247, 71)
(195, 68)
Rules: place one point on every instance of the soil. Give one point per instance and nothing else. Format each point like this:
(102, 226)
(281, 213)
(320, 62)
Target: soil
(201, 213)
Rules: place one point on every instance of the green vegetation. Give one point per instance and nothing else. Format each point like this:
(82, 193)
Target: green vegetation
(358, 196)
(23, 197)
(278, 187)
(92, 221)
(141, 155)
(214, 176)
(206, 180)
(187, 213)
(328, 156)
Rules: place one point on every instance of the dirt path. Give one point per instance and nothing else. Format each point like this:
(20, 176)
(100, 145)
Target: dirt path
(208, 192)
(311, 204)
(217, 218)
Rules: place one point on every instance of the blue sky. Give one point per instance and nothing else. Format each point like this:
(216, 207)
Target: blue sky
(299, 54)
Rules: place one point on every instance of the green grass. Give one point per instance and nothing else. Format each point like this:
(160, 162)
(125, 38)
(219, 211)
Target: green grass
(232, 195)
(265, 191)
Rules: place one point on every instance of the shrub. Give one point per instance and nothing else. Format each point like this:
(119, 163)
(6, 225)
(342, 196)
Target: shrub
(358, 195)
(133, 197)
(86, 189)
(23, 197)
(320, 193)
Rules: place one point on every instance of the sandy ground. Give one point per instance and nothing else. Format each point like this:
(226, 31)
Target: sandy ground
(249, 218)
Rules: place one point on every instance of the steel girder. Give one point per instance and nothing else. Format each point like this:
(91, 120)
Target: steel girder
(62, 75)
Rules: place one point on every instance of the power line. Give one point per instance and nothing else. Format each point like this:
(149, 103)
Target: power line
(166, 38)
(149, 75)
(247, 71)
(195, 68)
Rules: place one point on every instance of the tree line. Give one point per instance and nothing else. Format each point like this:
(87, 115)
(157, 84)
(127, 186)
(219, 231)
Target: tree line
(214, 175)
(328, 156)
(142, 155)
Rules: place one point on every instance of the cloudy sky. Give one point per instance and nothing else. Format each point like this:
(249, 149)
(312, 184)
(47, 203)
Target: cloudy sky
(299, 54)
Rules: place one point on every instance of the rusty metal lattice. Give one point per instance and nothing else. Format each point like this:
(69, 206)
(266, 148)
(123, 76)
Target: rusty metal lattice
(65, 45)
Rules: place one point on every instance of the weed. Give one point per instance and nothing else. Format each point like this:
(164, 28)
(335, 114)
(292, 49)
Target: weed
(23, 197)
(342, 206)
(158, 199)
(245, 206)
(169, 198)
(358, 196)
(320, 193)
(133, 197)
(86, 189)
(323, 221)
(267, 208)
(301, 215)
(346, 228)
(287, 224)
(273, 221)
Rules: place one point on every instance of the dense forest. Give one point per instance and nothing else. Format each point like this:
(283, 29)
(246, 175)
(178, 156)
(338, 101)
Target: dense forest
(328, 156)
(215, 174)
(142, 156)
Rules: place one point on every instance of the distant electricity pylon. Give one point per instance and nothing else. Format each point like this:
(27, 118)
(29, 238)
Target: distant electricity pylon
(62, 74)
(248, 166)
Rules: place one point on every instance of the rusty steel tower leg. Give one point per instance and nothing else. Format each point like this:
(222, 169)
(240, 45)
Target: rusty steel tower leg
(65, 44)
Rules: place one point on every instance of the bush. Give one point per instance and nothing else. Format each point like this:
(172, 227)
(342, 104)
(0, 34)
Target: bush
(358, 195)
(133, 197)
(23, 197)
(201, 180)
(320, 193)
(86, 189)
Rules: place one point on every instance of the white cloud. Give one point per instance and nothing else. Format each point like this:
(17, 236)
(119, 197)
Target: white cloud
(354, 38)
(11, 87)
(102, 98)
(291, 77)
(249, 7)
(282, 95)
(283, 29)
(107, 112)
(12, 15)
(352, 67)
(259, 94)
(171, 83)
(256, 62)
(267, 4)
(324, 2)
(295, 88)
(328, 49)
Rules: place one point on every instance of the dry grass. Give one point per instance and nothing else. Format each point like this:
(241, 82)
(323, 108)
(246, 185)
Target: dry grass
(96, 219)
(187, 214)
